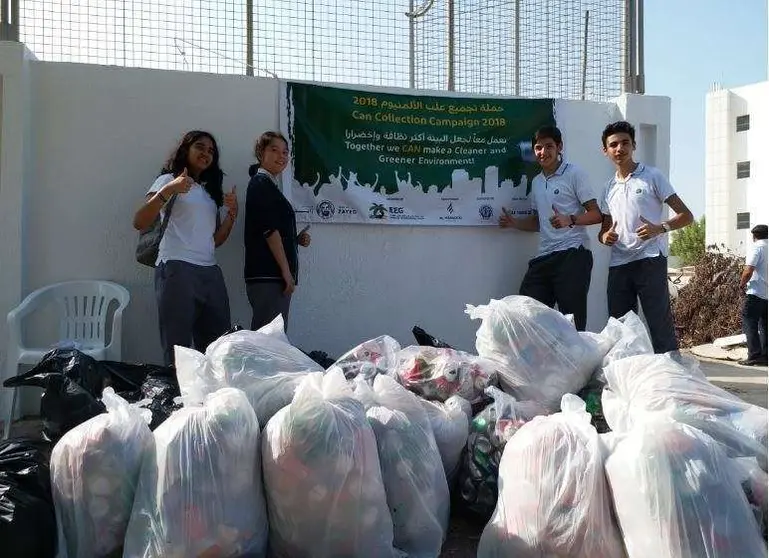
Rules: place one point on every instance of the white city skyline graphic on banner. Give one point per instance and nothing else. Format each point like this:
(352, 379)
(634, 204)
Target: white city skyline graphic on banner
(466, 200)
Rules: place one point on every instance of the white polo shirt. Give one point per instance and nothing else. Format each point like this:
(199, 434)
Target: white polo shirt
(190, 233)
(567, 189)
(757, 259)
(643, 193)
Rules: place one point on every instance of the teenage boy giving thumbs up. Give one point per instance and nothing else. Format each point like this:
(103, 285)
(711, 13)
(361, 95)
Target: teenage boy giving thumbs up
(634, 225)
(564, 204)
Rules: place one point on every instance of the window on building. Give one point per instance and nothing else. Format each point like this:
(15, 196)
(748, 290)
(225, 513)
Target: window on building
(743, 221)
(743, 169)
(743, 123)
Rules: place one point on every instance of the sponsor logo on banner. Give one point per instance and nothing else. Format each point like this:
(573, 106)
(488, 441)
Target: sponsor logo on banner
(345, 210)
(486, 212)
(450, 210)
(377, 211)
(325, 209)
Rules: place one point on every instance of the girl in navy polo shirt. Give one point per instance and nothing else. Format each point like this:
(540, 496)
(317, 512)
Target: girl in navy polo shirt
(272, 263)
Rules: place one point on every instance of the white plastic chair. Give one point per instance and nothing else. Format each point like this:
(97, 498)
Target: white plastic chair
(83, 310)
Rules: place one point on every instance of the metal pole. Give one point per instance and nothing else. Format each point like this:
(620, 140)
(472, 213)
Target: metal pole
(584, 54)
(450, 49)
(249, 37)
(631, 70)
(627, 47)
(412, 47)
(640, 83)
(517, 48)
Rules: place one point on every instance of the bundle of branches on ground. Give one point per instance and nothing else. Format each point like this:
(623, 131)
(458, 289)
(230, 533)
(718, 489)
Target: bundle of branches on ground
(709, 306)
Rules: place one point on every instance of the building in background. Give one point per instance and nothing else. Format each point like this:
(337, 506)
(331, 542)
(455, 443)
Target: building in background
(736, 165)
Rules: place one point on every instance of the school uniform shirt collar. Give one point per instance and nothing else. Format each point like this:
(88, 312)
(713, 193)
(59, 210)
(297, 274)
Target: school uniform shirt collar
(559, 171)
(268, 175)
(638, 170)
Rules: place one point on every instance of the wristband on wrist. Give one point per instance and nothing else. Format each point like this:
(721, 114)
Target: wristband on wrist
(162, 197)
(573, 221)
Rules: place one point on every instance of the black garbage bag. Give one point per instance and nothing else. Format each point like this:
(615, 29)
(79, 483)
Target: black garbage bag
(147, 381)
(73, 382)
(161, 387)
(27, 519)
(424, 339)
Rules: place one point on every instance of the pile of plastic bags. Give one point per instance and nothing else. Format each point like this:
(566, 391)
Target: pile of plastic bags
(94, 471)
(677, 495)
(323, 480)
(542, 355)
(200, 487)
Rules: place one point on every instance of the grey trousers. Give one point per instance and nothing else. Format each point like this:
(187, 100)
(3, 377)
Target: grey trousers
(193, 307)
(267, 301)
(646, 279)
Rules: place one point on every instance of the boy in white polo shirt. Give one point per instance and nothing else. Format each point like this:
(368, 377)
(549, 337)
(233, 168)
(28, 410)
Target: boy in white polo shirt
(754, 310)
(564, 204)
(634, 226)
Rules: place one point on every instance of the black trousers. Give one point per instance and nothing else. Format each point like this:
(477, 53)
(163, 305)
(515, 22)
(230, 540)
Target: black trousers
(561, 278)
(754, 326)
(646, 279)
(193, 307)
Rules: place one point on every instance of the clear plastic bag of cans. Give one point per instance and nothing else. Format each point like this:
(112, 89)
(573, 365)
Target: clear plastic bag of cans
(412, 471)
(490, 430)
(542, 355)
(438, 373)
(263, 366)
(94, 472)
(450, 422)
(677, 494)
(322, 476)
(370, 358)
(200, 487)
(553, 497)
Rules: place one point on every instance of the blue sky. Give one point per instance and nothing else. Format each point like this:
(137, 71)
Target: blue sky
(690, 44)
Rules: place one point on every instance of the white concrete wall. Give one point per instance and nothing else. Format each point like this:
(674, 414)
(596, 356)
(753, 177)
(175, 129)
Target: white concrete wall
(100, 135)
(725, 195)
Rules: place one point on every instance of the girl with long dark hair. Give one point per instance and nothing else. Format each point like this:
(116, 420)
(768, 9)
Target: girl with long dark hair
(193, 306)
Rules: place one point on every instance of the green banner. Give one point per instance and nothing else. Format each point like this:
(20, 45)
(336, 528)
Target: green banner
(363, 156)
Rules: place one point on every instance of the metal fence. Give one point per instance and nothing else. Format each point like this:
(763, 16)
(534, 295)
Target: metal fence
(557, 48)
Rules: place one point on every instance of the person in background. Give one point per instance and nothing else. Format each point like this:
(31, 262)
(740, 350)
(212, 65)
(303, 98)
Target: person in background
(754, 309)
(271, 240)
(634, 226)
(564, 204)
(193, 307)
